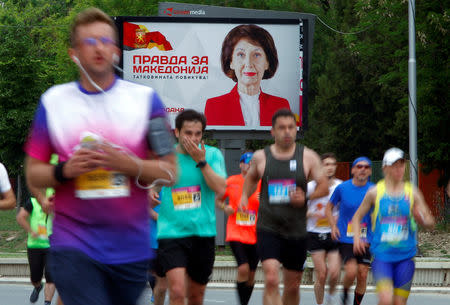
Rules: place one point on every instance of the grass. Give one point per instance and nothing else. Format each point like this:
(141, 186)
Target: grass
(12, 237)
(223, 251)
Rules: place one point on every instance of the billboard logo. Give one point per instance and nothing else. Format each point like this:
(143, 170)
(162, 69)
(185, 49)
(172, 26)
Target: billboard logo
(170, 12)
(139, 37)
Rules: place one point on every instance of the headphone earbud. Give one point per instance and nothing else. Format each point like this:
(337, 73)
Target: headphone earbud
(75, 59)
(115, 58)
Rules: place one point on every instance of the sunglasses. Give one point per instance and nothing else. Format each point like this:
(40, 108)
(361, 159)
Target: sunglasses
(359, 166)
(92, 41)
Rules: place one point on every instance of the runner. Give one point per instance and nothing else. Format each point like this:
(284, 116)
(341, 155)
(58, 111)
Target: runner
(348, 197)
(241, 229)
(38, 225)
(187, 220)
(397, 205)
(7, 197)
(284, 167)
(320, 244)
(157, 279)
(102, 128)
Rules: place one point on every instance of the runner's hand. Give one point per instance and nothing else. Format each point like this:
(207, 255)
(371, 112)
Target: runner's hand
(359, 247)
(335, 234)
(298, 197)
(48, 205)
(243, 204)
(110, 156)
(196, 153)
(82, 161)
(153, 196)
(228, 210)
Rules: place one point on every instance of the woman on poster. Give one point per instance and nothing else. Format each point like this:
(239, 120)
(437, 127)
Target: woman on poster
(248, 56)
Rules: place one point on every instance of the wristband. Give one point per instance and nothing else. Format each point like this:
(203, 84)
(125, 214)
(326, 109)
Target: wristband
(58, 173)
(201, 164)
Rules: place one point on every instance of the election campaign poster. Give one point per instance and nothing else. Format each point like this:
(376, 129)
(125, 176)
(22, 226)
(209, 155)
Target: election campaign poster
(236, 71)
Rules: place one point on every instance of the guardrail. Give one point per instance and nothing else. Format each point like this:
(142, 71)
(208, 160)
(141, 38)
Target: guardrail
(434, 273)
(429, 272)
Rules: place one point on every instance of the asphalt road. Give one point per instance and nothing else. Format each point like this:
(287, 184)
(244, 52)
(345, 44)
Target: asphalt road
(18, 294)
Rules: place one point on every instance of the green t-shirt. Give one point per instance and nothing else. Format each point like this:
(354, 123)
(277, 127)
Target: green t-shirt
(187, 208)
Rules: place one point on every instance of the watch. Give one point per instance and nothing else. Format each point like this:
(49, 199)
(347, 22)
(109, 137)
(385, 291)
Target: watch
(201, 164)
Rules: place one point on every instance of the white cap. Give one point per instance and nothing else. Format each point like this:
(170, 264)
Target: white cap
(392, 155)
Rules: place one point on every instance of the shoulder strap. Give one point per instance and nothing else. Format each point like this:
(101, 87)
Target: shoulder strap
(410, 193)
(381, 188)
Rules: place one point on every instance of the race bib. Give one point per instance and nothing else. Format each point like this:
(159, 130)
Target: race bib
(42, 232)
(101, 183)
(186, 198)
(322, 222)
(363, 230)
(246, 218)
(279, 190)
(394, 228)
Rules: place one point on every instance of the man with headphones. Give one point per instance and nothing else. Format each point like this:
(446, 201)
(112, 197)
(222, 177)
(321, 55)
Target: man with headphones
(103, 129)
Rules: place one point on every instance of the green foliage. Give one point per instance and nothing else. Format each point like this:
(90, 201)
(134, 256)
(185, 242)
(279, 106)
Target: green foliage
(359, 83)
(27, 68)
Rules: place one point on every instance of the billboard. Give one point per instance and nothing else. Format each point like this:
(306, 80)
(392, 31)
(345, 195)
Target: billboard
(307, 24)
(237, 71)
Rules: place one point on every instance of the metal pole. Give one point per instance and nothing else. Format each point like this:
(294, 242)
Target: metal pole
(412, 86)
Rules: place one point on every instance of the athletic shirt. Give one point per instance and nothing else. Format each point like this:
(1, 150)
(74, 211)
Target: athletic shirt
(349, 197)
(280, 177)
(40, 223)
(394, 229)
(320, 224)
(4, 180)
(111, 230)
(241, 226)
(188, 207)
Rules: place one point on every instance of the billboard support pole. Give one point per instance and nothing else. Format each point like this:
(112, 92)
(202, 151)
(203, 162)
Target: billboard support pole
(412, 87)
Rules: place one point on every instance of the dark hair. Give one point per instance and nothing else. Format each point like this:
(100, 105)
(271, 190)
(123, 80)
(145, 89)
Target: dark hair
(89, 16)
(256, 35)
(190, 115)
(328, 155)
(282, 112)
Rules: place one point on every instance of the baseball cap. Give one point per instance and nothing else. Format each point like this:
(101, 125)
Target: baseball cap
(392, 155)
(246, 158)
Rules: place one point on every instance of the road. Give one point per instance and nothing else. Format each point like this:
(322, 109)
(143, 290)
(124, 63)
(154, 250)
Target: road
(18, 294)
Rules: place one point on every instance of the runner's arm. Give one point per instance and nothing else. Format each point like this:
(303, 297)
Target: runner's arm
(40, 174)
(7, 197)
(215, 182)
(8, 201)
(252, 178)
(364, 208)
(164, 167)
(312, 159)
(335, 234)
(22, 219)
(422, 213)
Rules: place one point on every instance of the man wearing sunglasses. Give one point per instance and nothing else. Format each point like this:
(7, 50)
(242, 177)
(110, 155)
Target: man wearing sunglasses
(347, 197)
(104, 131)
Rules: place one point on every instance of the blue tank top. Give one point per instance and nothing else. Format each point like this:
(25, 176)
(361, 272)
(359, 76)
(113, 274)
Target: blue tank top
(394, 229)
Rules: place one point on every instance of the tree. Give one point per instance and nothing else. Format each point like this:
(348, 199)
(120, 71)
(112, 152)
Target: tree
(27, 67)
